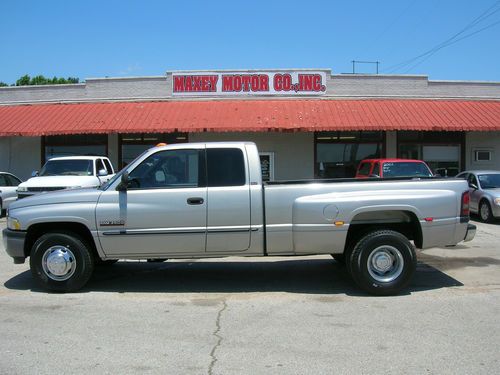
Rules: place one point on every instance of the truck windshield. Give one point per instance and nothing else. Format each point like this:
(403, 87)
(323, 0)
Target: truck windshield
(406, 169)
(70, 167)
(489, 181)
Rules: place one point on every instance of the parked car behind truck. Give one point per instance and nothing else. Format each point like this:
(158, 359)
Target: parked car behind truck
(484, 187)
(68, 172)
(8, 187)
(200, 200)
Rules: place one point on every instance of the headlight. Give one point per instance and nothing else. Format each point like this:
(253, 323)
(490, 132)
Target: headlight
(497, 201)
(13, 223)
(22, 188)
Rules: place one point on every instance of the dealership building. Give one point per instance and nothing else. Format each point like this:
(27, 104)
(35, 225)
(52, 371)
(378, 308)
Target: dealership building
(307, 123)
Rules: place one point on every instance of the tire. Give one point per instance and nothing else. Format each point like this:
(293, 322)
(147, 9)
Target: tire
(383, 262)
(485, 212)
(61, 262)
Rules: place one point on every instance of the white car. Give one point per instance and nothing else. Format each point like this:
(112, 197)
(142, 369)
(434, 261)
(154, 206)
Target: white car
(8, 187)
(69, 172)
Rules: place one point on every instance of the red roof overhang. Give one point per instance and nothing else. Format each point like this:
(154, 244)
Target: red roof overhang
(249, 115)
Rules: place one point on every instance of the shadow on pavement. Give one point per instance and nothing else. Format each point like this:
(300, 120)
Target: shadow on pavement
(313, 276)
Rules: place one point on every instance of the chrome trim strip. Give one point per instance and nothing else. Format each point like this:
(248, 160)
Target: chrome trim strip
(195, 230)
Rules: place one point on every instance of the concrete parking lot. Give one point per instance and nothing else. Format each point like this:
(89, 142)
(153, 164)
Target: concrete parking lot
(258, 316)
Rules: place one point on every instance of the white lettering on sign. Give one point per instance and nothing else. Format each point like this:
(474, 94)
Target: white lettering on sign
(249, 83)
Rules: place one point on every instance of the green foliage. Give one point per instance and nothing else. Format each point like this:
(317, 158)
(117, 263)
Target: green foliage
(26, 80)
(3, 84)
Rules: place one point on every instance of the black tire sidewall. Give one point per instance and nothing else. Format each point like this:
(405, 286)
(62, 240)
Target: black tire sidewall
(490, 213)
(362, 251)
(83, 257)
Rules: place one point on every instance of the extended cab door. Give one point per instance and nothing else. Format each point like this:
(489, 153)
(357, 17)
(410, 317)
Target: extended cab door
(163, 211)
(228, 218)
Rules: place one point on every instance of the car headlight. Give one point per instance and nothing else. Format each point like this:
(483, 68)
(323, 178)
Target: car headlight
(497, 201)
(22, 188)
(13, 223)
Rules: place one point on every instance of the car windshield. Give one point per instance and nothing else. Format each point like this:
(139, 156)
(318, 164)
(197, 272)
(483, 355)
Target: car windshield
(406, 169)
(490, 180)
(69, 167)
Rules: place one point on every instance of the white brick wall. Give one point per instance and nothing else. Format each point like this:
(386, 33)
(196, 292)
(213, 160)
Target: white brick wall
(338, 86)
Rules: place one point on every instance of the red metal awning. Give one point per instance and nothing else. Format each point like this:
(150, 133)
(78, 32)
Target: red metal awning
(249, 115)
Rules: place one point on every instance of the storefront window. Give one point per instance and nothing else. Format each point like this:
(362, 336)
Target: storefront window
(442, 151)
(132, 145)
(338, 153)
(74, 145)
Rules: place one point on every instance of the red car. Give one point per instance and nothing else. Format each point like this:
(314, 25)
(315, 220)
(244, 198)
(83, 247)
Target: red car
(387, 168)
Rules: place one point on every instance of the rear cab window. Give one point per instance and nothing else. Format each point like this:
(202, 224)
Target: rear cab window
(225, 167)
(406, 169)
(364, 169)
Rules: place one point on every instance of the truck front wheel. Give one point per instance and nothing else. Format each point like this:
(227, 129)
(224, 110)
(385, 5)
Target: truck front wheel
(383, 262)
(61, 262)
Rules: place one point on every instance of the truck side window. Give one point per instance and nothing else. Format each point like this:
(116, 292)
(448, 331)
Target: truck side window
(99, 165)
(167, 169)
(225, 167)
(108, 166)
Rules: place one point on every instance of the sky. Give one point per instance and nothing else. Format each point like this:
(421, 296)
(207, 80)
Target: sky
(90, 38)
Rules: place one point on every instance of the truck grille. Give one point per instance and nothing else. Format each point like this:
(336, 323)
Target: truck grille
(47, 188)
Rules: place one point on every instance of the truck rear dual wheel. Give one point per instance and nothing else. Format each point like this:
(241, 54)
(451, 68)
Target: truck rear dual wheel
(383, 262)
(61, 262)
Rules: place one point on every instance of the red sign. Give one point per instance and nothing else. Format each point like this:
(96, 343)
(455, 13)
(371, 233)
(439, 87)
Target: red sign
(253, 83)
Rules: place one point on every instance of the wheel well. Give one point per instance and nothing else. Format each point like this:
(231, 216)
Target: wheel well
(484, 200)
(37, 230)
(404, 222)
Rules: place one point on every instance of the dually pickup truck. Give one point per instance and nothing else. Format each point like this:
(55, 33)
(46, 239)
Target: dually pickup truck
(199, 200)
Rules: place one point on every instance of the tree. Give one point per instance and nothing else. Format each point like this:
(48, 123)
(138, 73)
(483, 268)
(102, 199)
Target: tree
(26, 80)
(3, 84)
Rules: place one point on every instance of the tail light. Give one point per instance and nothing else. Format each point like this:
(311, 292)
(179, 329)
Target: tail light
(464, 210)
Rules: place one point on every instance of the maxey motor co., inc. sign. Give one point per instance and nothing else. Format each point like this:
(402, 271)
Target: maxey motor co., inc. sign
(249, 83)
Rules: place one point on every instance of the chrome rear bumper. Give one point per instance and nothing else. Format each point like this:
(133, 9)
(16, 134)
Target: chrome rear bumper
(471, 232)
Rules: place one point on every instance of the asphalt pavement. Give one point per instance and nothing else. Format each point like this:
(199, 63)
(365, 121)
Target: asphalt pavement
(294, 315)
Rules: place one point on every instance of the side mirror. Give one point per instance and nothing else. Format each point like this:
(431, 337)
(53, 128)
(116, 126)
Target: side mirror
(102, 173)
(34, 173)
(123, 185)
(473, 186)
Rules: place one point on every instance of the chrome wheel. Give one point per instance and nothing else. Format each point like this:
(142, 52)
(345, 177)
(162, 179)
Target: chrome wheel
(385, 263)
(59, 263)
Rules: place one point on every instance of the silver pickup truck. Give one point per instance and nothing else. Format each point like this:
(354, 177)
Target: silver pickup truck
(200, 200)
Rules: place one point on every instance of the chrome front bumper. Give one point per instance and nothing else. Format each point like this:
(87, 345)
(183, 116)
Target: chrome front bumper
(13, 242)
(471, 232)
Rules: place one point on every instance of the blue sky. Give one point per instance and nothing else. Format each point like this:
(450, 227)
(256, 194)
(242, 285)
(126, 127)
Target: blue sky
(124, 38)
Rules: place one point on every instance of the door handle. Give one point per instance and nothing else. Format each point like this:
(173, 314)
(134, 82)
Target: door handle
(196, 200)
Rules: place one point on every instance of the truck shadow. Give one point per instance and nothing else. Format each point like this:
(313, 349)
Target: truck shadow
(310, 276)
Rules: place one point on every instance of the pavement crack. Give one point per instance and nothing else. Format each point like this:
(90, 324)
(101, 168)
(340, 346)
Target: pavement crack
(216, 333)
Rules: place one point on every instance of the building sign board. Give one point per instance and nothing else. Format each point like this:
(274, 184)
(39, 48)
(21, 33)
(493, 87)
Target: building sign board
(286, 82)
